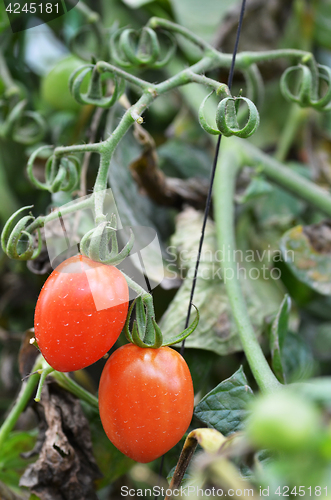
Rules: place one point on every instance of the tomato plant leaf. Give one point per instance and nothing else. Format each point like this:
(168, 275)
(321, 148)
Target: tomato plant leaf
(216, 330)
(11, 462)
(183, 160)
(256, 188)
(297, 358)
(225, 407)
(278, 332)
(306, 250)
(137, 211)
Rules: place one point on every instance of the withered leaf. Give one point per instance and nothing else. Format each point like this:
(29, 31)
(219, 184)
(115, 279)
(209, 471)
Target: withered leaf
(306, 250)
(66, 468)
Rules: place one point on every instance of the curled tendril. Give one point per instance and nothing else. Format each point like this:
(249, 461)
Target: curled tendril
(94, 94)
(308, 89)
(95, 244)
(145, 326)
(226, 117)
(61, 174)
(24, 127)
(16, 241)
(130, 48)
(202, 119)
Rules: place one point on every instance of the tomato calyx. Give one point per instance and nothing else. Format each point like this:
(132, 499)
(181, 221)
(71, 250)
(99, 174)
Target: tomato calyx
(140, 49)
(95, 243)
(61, 173)
(94, 93)
(24, 127)
(310, 79)
(16, 241)
(226, 116)
(145, 331)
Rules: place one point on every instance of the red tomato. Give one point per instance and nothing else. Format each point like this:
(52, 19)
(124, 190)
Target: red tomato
(80, 313)
(146, 400)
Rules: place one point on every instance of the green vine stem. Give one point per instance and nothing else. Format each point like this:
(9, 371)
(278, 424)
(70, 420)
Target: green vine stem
(42, 220)
(23, 398)
(297, 116)
(77, 390)
(243, 59)
(39, 372)
(227, 169)
(287, 178)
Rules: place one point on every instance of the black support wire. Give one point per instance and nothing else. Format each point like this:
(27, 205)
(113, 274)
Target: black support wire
(212, 177)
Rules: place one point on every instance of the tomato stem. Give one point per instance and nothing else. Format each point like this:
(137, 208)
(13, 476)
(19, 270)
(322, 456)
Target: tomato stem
(22, 399)
(228, 166)
(76, 389)
(43, 374)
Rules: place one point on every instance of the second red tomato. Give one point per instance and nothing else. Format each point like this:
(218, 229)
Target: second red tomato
(146, 400)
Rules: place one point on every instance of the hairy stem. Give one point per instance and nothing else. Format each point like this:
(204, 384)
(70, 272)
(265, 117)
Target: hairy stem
(55, 214)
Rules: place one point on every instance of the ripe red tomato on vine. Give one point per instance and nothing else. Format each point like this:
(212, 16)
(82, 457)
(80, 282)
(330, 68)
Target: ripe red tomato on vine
(146, 400)
(80, 313)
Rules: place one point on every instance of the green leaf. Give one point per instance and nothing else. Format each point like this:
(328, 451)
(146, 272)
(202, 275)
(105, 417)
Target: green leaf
(277, 336)
(256, 188)
(202, 18)
(297, 358)
(225, 407)
(200, 363)
(178, 159)
(217, 330)
(11, 463)
(307, 251)
(136, 210)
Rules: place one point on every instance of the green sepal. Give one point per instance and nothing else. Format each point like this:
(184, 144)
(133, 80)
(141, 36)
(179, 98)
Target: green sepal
(127, 332)
(307, 94)
(202, 119)
(11, 237)
(33, 179)
(95, 243)
(140, 318)
(184, 334)
(94, 95)
(11, 127)
(226, 118)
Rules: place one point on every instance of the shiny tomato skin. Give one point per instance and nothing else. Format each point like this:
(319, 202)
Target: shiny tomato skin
(146, 400)
(80, 313)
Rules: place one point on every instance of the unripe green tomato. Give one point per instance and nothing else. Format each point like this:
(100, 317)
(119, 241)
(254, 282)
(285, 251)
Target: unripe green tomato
(283, 422)
(55, 85)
